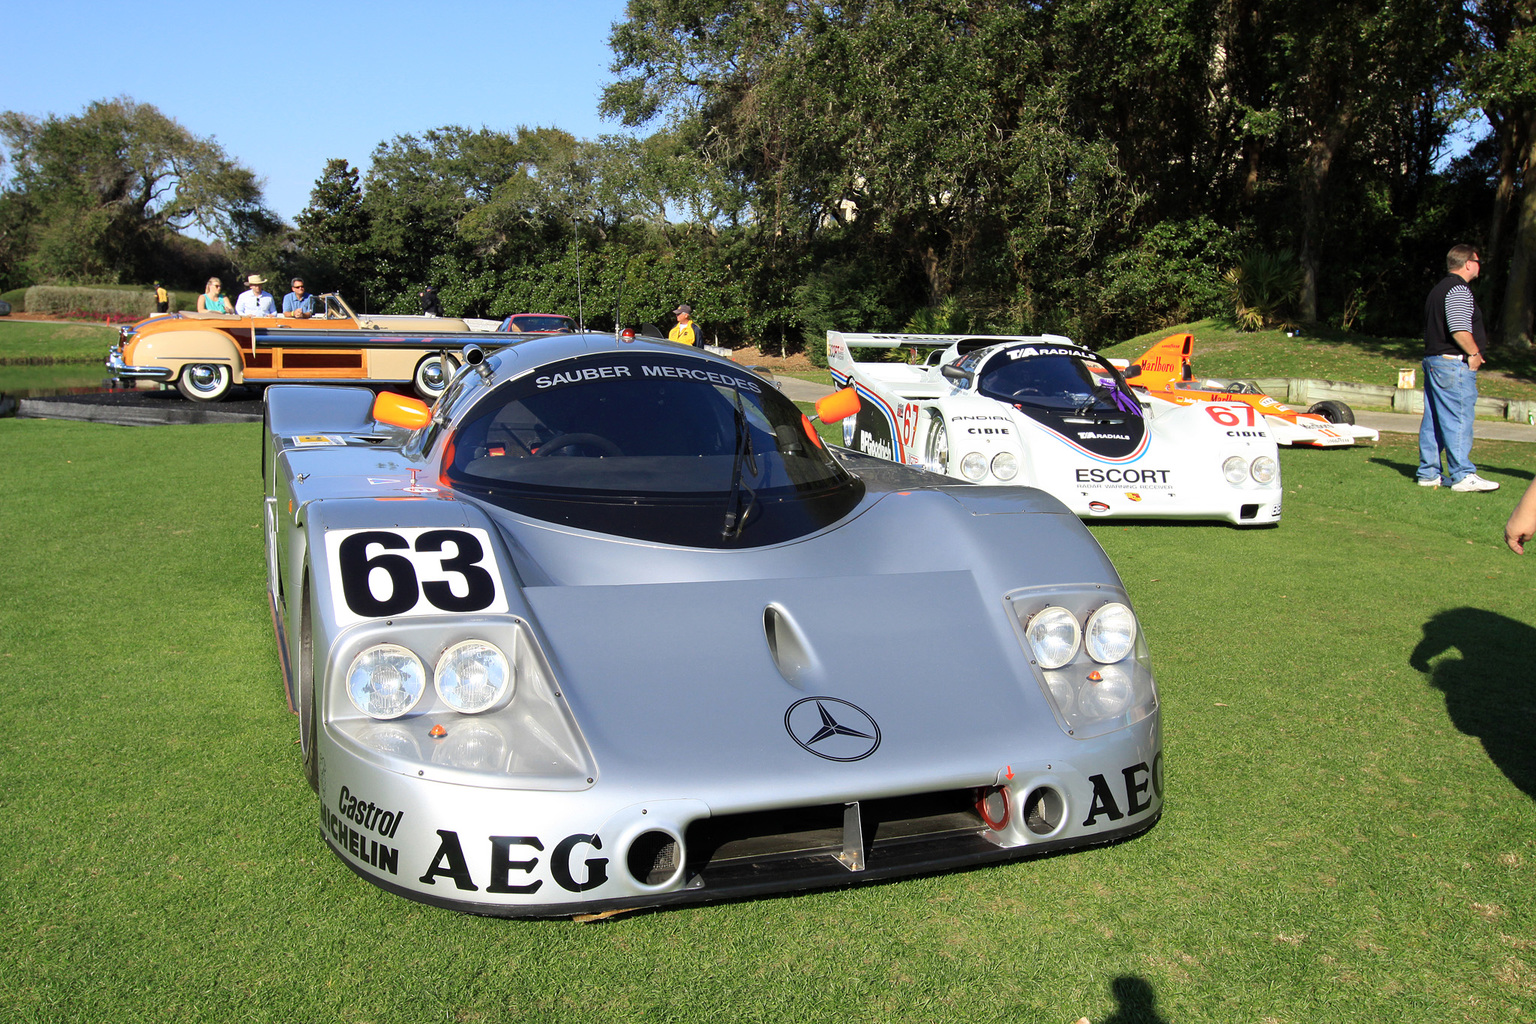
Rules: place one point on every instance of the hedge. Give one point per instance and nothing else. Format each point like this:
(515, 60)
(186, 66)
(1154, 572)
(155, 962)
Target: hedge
(104, 303)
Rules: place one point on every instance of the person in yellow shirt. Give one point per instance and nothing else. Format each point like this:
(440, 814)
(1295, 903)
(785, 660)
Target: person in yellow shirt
(162, 299)
(683, 333)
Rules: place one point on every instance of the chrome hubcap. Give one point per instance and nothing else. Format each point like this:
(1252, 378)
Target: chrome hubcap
(205, 378)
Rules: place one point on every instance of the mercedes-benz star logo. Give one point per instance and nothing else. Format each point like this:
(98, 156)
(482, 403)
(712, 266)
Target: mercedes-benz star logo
(832, 728)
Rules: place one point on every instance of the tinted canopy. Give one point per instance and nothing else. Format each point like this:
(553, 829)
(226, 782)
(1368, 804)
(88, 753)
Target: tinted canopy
(656, 446)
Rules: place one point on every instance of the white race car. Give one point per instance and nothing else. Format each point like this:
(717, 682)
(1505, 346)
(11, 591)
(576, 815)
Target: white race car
(1047, 413)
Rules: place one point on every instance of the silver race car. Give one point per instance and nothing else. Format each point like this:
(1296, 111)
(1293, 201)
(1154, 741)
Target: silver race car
(609, 627)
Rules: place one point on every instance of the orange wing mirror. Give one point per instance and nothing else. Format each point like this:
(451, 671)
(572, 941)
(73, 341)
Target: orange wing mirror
(839, 405)
(400, 411)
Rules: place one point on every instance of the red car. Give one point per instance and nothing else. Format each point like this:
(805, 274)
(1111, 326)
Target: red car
(538, 323)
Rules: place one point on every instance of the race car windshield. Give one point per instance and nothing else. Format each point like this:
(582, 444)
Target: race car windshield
(654, 446)
(1055, 382)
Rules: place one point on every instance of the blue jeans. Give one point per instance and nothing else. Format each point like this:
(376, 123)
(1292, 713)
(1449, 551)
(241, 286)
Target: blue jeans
(1450, 397)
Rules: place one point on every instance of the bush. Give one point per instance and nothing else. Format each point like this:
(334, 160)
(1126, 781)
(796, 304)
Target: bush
(1263, 288)
(1169, 276)
(93, 303)
(840, 296)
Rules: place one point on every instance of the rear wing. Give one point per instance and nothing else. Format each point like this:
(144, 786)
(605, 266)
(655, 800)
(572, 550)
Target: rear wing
(840, 342)
(1167, 361)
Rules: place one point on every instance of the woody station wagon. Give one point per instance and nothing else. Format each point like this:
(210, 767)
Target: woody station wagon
(205, 354)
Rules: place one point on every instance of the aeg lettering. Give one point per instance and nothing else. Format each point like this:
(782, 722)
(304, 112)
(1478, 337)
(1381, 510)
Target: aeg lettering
(449, 862)
(1136, 780)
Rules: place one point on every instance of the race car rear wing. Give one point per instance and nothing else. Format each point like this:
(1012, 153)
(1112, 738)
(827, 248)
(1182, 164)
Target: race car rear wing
(965, 342)
(840, 343)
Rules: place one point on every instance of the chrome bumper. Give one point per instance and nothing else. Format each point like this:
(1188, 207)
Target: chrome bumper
(122, 371)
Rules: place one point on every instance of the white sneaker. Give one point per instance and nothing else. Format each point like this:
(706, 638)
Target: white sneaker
(1433, 481)
(1473, 482)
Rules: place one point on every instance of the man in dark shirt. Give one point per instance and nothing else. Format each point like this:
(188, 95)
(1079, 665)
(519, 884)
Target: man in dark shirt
(1454, 343)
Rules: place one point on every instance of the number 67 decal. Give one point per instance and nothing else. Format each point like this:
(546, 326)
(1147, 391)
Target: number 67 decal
(393, 573)
(1231, 415)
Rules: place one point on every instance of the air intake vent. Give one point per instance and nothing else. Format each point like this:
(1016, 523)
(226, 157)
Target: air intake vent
(791, 653)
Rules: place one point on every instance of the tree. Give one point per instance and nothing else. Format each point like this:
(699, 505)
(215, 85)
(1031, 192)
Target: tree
(102, 191)
(1502, 80)
(334, 227)
(894, 124)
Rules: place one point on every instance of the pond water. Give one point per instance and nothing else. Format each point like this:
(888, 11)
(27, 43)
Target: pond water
(46, 381)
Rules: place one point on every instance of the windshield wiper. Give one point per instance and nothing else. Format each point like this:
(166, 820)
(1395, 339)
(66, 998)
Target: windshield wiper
(737, 511)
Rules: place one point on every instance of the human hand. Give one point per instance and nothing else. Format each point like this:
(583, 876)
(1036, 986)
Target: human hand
(1522, 521)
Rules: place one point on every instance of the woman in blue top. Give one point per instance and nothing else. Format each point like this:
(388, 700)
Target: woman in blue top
(212, 300)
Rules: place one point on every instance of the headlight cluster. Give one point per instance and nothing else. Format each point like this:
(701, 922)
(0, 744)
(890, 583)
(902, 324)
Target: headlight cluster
(1095, 668)
(1004, 466)
(387, 680)
(1108, 637)
(1238, 470)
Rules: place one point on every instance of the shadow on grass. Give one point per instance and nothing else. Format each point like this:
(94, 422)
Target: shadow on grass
(1489, 691)
(1410, 469)
(1137, 1002)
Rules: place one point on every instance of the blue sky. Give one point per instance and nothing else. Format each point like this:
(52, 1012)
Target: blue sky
(285, 89)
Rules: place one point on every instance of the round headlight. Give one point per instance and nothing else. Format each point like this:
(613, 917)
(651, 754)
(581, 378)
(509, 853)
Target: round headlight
(1107, 696)
(974, 466)
(472, 676)
(1005, 465)
(1053, 636)
(1265, 469)
(1062, 691)
(475, 744)
(386, 681)
(1235, 469)
(1111, 633)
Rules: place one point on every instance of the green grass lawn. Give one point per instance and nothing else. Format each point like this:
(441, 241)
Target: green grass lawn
(1350, 832)
(1326, 354)
(64, 342)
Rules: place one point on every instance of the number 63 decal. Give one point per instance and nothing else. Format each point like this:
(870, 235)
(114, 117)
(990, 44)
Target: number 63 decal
(379, 574)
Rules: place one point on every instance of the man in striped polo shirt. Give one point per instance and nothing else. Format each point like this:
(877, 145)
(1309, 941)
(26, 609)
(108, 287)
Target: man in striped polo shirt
(1454, 342)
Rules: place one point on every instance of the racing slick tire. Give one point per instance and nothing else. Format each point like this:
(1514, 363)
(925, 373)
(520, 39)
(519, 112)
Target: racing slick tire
(203, 382)
(432, 376)
(936, 447)
(1333, 412)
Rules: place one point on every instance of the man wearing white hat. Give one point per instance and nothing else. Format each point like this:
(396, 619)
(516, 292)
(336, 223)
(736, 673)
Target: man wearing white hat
(254, 301)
